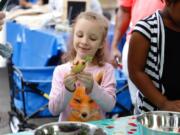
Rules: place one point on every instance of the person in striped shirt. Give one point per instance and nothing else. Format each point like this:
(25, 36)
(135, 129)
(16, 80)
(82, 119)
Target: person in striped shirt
(129, 13)
(153, 59)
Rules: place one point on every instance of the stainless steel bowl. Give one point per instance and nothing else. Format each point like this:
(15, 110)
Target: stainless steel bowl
(159, 123)
(69, 128)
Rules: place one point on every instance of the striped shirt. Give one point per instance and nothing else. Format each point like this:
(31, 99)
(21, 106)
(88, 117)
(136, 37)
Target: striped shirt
(152, 28)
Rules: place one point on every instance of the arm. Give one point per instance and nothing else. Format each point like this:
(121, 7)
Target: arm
(59, 96)
(122, 21)
(138, 51)
(2, 16)
(25, 4)
(104, 94)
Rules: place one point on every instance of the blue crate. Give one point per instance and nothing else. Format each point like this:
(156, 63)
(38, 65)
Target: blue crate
(122, 94)
(33, 101)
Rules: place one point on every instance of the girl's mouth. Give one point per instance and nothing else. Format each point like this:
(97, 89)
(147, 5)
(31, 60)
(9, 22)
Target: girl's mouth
(84, 48)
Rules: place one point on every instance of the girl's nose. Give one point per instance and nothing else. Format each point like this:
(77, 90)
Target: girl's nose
(84, 40)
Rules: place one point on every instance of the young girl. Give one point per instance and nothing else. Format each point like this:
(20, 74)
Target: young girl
(86, 95)
(154, 57)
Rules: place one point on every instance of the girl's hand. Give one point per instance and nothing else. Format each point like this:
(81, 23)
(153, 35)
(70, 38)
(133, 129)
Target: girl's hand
(171, 105)
(70, 82)
(87, 80)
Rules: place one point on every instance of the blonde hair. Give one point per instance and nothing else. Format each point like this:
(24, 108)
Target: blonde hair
(100, 56)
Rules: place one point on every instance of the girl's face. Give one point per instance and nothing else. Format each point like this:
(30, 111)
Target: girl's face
(87, 38)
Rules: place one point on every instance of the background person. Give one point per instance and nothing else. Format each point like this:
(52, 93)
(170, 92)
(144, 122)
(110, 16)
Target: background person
(57, 5)
(30, 3)
(129, 12)
(2, 16)
(153, 59)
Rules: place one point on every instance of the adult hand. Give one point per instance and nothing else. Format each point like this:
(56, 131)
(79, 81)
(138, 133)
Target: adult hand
(87, 80)
(70, 82)
(116, 53)
(171, 105)
(2, 16)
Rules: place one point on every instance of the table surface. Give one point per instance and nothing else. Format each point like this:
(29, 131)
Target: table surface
(118, 126)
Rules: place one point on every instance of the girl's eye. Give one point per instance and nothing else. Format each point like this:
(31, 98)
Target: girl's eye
(93, 38)
(77, 100)
(79, 34)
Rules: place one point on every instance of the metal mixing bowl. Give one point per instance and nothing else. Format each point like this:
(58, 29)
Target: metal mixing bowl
(159, 123)
(69, 128)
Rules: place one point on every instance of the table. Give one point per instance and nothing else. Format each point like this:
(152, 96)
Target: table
(118, 126)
